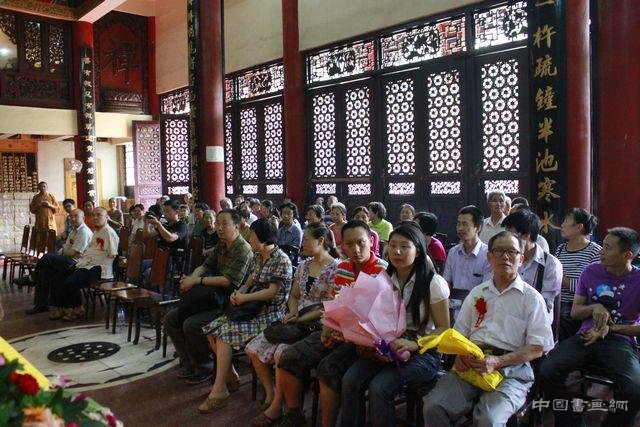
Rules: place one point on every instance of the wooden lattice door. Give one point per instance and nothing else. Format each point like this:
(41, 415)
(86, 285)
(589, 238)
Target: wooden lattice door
(146, 154)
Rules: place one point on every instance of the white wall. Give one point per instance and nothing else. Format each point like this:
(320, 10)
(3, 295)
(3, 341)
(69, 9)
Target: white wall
(252, 33)
(325, 21)
(107, 154)
(171, 45)
(51, 164)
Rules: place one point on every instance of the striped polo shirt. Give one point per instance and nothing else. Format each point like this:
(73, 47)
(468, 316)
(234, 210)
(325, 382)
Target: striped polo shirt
(345, 273)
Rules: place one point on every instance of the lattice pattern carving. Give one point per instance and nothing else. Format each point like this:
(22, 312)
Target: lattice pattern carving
(360, 189)
(148, 154)
(349, 60)
(324, 135)
(250, 189)
(402, 188)
(445, 141)
(500, 116)
(229, 189)
(177, 165)
(273, 142)
(326, 189)
(175, 102)
(151, 191)
(400, 129)
(228, 146)
(424, 42)
(509, 186)
(181, 189)
(261, 81)
(8, 27)
(228, 90)
(33, 44)
(249, 143)
(445, 187)
(358, 114)
(502, 24)
(56, 48)
(275, 188)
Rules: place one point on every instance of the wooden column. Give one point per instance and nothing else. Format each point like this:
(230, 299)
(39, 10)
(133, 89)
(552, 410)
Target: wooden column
(84, 96)
(206, 77)
(578, 105)
(619, 113)
(154, 102)
(294, 124)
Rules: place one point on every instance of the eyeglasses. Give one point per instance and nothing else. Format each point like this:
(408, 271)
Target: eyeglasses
(512, 253)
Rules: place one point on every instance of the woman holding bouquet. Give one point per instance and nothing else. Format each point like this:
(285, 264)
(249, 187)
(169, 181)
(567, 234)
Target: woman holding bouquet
(312, 284)
(270, 282)
(426, 299)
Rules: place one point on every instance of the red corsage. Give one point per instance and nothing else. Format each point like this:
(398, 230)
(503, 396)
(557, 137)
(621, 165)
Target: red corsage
(25, 383)
(101, 243)
(481, 308)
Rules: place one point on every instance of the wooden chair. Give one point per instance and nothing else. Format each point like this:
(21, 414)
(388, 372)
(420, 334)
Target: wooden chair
(133, 278)
(139, 298)
(37, 247)
(194, 253)
(11, 257)
(123, 250)
(150, 246)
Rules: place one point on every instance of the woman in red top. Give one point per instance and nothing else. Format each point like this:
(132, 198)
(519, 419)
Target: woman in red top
(428, 222)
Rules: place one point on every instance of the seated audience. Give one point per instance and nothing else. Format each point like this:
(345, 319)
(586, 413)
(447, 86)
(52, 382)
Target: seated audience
(198, 218)
(225, 203)
(88, 206)
(184, 213)
(312, 284)
(539, 269)
(209, 234)
(314, 214)
(507, 205)
(607, 301)
(492, 225)
(467, 265)
(171, 234)
(95, 263)
(137, 221)
(256, 208)
(574, 255)
(425, 296)
(361, 213)
(50, 269)
(289, 232)
(428, 222)
(269, 282)
(238, 201)
(513, 331)
(407, 212)
(115, 216)
(68, 205)
(378, 223)
(540, 241)
(245, 222)
(270, 212)
(326, 350)
(339, 219)
(205, 294)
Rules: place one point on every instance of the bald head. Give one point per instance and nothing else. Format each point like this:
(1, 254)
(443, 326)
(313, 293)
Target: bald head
(99, 217)
(76, 217)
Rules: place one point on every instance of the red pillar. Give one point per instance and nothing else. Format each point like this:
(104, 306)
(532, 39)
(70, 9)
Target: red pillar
(82, 36)
(295, 159)
(211, 102)
(154, 101)
(578, 105)
(619, 113)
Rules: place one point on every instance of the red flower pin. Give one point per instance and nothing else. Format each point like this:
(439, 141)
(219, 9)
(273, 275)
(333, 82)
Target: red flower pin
(25, 383)
(101, 243)
(481, 308)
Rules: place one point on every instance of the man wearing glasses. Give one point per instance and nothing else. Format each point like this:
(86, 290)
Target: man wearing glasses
(512, 330)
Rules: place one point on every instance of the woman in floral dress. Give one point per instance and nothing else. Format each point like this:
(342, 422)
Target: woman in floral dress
(312, 284)
(269, 281)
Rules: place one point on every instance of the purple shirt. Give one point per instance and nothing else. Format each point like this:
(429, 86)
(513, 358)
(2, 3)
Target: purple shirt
(618, 294)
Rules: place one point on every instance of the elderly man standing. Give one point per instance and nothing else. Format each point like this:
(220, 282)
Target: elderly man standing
(607, 300)
(44, 206)
(51, 267)
(205, 293)
(492, 225)
(512, 331)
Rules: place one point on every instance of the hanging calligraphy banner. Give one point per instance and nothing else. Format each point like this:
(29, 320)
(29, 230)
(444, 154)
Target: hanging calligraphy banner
(549, 112)
(193, 35)
(87, 123)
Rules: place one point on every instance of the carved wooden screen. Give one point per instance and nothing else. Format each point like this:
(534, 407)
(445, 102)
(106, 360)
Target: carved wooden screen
(175, 155)
(342, 134)
(35, 61)
(449, 108)
(148, 170)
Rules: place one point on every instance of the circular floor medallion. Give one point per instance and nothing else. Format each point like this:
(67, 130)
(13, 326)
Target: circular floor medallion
(83, 352)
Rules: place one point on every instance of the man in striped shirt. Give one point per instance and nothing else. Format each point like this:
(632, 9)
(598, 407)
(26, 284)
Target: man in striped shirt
(326, 350)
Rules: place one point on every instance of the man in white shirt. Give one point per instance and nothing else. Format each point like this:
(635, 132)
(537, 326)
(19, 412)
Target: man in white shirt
(512, 330)
(51, 266)
(493, 224)
(95, 264)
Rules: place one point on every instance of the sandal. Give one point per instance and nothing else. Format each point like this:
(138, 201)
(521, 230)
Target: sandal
(233, 386)
(55, 313)
(69, 315)
(263, 420)
(213, 404)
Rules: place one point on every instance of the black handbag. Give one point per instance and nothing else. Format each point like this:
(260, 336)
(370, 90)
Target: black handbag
(245, 311)
(289, 333)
